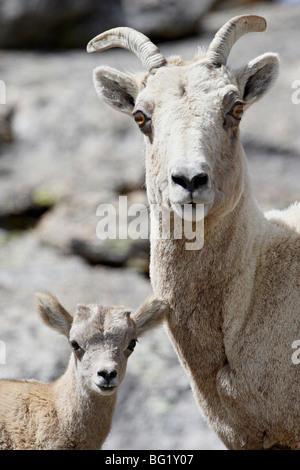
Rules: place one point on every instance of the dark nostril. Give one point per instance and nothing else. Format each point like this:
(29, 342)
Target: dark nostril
(112, 374)
(180, 180)
(197, 182)
(103, 373)
(107, 374)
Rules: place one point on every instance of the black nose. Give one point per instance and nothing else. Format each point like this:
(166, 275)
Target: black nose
(108, 375)
(198, 181)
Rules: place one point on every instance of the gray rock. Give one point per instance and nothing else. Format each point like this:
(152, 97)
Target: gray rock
(6, 117)
(36, 24)
(65, 23)
(167, 19)
(54, 23)
(72, 227)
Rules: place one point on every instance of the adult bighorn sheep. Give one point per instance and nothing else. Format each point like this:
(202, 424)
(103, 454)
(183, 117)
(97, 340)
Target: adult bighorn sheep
(235, 304)
(76, 410)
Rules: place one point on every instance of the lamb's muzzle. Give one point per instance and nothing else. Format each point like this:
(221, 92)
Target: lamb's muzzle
(107, 380)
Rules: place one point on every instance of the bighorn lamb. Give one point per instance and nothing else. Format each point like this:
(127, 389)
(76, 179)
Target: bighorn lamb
(76, 410)
(235, 303)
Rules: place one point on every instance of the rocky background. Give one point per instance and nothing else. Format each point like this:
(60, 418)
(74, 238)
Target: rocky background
(63, 152)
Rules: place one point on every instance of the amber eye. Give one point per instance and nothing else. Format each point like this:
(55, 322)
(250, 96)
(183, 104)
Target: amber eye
(237, 111)
(140, 118)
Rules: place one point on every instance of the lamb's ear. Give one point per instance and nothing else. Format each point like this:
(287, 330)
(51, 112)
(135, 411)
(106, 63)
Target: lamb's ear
(53, 313)
(116, 88)
(256, 78)
(151, 313)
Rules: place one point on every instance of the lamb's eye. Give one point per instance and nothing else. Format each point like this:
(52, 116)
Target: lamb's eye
(131, 345)
(75, 345)
(140, 118)
(237, 111)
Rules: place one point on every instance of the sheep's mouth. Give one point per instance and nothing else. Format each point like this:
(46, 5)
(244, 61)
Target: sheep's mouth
(107, 388)
(191, 211)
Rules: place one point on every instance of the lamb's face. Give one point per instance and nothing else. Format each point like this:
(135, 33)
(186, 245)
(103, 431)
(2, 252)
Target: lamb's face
(102, 339)
(190, 116)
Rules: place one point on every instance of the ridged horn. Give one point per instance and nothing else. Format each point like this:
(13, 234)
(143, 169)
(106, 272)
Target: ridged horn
(133, 41)
(220, 47)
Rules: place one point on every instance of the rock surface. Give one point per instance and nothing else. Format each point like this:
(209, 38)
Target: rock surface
(68, 154)
(71, 23)
(52, 24)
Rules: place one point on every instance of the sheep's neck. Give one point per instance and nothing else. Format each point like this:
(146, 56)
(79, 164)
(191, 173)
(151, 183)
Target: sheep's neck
(84, 416)
(228, 244)
(200, 286)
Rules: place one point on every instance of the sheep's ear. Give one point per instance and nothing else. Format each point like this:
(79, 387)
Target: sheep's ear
(53, 313)
(150, 314)
(116, 88)
(257, 77)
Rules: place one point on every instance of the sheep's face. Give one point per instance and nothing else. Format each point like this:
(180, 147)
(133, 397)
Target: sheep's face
(190, 115)
(102, 339)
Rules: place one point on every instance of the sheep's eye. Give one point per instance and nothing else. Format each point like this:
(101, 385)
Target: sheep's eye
(75, 345)
(140, 118)
(237, 111)
(131, 345)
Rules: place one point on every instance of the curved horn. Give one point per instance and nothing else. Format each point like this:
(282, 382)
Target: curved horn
(133, 41)
(220, 47)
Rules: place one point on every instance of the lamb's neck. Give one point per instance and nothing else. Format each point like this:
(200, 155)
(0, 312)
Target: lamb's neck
(84, 416)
